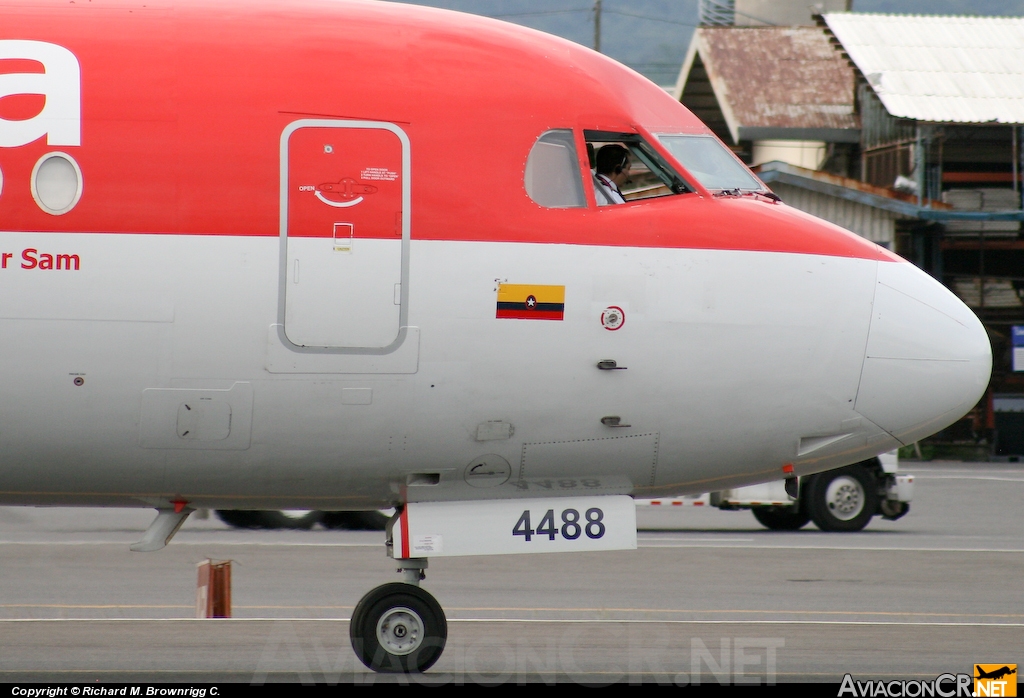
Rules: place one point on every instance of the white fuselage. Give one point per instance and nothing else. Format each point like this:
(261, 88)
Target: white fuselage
(125, 386)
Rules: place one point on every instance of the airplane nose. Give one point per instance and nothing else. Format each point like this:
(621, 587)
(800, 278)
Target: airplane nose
(928, 357)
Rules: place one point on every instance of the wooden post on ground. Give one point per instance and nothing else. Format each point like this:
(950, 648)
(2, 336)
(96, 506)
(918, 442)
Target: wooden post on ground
(213, 589)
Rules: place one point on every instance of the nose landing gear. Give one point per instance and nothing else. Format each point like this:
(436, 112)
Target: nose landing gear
(399, 627)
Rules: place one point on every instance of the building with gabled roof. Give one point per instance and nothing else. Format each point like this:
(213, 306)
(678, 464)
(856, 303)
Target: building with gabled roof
(767, 83)
(765, 89)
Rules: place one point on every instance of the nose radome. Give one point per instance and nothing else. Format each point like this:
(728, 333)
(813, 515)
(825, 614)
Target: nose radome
(928, 357)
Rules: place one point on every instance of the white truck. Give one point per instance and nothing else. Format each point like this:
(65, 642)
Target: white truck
(844, 499)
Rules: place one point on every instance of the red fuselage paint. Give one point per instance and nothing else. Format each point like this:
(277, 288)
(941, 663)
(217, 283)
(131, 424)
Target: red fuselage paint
(181, 124)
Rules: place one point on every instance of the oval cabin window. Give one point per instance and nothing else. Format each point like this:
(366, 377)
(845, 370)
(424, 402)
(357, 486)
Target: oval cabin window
(56, 183)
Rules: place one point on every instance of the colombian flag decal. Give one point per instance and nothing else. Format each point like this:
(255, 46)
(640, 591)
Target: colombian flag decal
(531, 302)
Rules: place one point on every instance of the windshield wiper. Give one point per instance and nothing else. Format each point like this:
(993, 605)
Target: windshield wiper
(742, 192)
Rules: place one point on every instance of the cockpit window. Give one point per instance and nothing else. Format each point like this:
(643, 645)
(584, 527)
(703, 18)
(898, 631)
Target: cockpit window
(553, 171)
(648, 176)
(706, 158)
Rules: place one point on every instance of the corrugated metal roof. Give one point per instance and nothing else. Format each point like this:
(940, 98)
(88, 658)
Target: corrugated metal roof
(939, 68)
(775, 77)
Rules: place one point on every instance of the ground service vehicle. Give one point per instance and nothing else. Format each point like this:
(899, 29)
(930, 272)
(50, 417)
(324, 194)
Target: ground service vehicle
(345, 256)
(844, 499)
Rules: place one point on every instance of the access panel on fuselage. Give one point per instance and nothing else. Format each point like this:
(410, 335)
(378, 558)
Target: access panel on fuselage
(345, 226)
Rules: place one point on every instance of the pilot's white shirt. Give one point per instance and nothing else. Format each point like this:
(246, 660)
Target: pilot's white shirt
(606, 191)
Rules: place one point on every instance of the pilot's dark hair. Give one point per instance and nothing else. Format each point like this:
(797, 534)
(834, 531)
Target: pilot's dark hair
(611, 159)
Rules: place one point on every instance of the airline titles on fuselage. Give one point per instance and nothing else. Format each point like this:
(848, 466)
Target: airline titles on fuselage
(31, 258)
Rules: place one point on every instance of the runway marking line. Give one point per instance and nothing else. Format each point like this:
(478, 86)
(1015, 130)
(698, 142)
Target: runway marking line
(963, 467)
(199, 542)
(971, 477)
(671, 544)
(698, 540)
(95, 606)
(575, 621)
(504, 609)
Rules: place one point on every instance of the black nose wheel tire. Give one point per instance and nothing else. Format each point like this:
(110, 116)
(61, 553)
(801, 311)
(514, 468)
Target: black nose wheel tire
(398, 628)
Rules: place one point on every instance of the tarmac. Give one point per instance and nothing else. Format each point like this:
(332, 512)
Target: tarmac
(708, 597)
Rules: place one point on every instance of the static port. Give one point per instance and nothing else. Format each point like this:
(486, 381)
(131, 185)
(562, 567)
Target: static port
(79, 381)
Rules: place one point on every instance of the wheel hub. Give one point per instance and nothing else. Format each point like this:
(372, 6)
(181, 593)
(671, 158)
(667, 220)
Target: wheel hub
(845, 498)
(400, 630)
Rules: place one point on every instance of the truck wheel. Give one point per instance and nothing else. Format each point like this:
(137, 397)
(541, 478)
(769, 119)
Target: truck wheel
(780, 518)
(301, 520)
(354, 520)
(843, 499)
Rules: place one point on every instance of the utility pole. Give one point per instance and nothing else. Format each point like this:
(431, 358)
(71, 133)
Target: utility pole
(597, 25)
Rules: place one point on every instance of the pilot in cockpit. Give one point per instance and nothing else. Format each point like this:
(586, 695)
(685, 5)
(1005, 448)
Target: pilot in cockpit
(612, 172)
